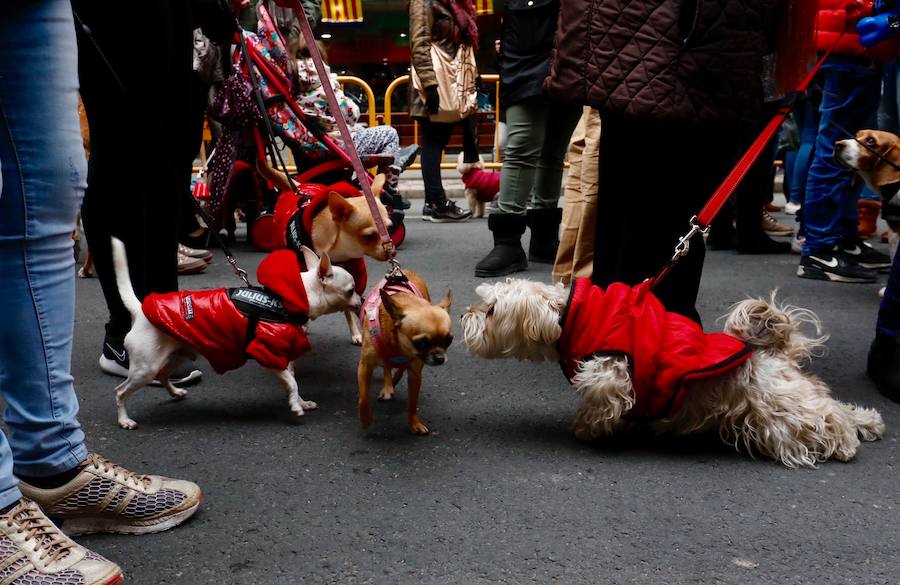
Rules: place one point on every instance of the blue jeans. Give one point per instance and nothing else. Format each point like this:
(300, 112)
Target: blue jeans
(42, 180)
(850, 96)
(805, 116)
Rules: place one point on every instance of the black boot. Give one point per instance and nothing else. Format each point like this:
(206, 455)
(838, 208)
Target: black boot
(884, 365)
(507, 256)
(544, 224)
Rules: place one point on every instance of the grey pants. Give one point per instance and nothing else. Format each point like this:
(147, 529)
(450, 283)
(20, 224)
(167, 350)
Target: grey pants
(539, 133)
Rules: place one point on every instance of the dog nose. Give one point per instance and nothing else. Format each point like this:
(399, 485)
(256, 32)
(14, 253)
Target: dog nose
(439, 358)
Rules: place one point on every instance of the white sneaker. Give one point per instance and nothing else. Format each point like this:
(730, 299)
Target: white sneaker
(791, 208)
(204, 255)
(33, 551)
(188, 265)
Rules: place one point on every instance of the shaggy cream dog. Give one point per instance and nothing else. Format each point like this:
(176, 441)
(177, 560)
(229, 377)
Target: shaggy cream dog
(768, 404)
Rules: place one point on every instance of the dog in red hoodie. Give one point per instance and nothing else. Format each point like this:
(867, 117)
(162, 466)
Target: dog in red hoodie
(635, 364)
(230, 326)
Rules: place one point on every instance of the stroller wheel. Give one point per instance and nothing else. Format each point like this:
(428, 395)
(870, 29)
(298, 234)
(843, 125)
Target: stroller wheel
(398, 229)
(262, 232)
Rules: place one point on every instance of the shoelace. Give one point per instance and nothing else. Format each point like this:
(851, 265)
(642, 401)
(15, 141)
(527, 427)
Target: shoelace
(118, 472)
(768, 218)
(48, 539)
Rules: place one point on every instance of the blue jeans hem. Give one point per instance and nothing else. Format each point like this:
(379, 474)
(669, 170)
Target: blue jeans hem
(70, 460)
(10, 495)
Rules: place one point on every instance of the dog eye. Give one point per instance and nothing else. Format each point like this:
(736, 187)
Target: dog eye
(870, 141)
(421, 343)
(447, 341)
(370, 237)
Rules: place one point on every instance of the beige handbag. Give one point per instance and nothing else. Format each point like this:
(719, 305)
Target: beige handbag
(456, 83)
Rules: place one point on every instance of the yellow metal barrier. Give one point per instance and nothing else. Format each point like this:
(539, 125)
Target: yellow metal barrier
(490, 77)
(370, 95)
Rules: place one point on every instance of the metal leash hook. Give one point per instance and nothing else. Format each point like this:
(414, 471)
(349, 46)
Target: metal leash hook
(241, 273)
(395, 273)
(684, 243)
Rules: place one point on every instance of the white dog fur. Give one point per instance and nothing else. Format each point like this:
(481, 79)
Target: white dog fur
(153, 354)
(768, 405)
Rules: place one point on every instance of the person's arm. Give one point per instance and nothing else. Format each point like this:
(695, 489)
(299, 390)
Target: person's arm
(420, 42)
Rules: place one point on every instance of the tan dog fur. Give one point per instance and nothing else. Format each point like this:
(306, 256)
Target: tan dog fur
(405, 319)
(344, 229)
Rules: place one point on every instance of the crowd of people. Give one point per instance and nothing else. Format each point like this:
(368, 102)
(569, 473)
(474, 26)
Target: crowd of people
(651, 114)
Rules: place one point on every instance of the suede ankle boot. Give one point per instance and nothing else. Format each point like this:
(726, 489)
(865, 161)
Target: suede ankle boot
(507, 256)
(544, 224)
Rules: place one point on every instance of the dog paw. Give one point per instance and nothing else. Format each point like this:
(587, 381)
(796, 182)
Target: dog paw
(419, 428)
(365, 417)
(308, 405)
(384, 395)
(298, 411)
(128, 424)
(356, 339)
(178, 393)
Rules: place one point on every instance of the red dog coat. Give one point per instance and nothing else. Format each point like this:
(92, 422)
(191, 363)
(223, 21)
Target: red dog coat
(664, 349)
(228, 326)
(294, 217)
(485, 184)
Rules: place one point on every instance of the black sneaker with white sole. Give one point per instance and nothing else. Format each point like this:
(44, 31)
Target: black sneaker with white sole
(866, 256)
(114, 361)
(835, 266)
(447, 212)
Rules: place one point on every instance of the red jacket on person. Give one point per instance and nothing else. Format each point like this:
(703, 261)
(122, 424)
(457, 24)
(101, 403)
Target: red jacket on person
(664, 349)
(293, 230)
(211, 323)
(833, 18)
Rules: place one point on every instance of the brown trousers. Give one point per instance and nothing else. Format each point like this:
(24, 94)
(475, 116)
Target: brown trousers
(576, 242)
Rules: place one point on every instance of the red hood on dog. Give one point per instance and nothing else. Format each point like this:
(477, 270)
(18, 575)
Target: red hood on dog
(211, 323)
(664, 349)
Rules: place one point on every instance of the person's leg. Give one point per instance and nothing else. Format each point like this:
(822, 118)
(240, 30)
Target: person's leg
(377, 140)
(639, 222)
(526, 124)
(583, 262)
(572, 198)
(805, 114)
(43, 178)
(435, 137)
(849, 97)
(884, 355)
(544, 217)
(143, 210)
(470, 139)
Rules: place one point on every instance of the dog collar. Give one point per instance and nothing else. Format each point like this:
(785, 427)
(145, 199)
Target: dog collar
(368, 317)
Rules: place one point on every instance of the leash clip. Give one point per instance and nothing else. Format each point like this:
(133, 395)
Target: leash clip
(395, 274)
(241, 273)
(684, 243)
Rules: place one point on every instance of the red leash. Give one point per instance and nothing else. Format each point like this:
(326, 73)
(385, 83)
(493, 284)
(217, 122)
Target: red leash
(700, 223)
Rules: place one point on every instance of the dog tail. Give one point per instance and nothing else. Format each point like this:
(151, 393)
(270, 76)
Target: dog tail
(123, 278)
(766, 324)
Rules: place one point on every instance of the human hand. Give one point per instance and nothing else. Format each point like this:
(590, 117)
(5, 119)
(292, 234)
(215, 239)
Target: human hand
(432, 100)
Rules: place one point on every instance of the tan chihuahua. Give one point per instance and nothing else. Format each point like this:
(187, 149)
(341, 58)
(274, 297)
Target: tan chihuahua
(402, 331)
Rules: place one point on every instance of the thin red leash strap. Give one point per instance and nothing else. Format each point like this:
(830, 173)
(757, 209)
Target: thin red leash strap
(737, 174)
(350, 148)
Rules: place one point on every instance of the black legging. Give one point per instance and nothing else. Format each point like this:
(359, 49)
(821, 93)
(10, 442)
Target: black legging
(435, 136)
(647, 193)
(137, 173)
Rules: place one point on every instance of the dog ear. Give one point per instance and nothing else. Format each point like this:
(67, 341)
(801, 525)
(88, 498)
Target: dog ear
(378, 185)
(392, 307)
(325, 268)
(444, 303)
(340, 208)
(310, 258)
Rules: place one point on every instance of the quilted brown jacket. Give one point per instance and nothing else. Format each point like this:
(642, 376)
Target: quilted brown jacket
(669, 60)
(429, 22)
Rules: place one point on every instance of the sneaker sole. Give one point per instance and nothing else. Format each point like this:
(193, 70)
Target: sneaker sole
(115, 578)
(117, 525)
(113, 368)
(880, 266)
(508, 270)
(816, 274)
(434, 220)
(780, 233)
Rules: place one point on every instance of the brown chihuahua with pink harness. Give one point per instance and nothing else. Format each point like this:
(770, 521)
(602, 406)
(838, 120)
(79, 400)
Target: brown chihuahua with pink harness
(402, 332)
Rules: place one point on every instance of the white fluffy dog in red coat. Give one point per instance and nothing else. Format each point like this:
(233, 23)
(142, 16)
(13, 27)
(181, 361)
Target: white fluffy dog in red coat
(748, 383)
(244, 322)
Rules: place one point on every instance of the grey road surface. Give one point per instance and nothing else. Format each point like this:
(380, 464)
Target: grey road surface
(500, 492)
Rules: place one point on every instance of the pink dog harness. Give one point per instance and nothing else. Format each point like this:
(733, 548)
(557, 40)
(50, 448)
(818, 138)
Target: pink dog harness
(368, 317)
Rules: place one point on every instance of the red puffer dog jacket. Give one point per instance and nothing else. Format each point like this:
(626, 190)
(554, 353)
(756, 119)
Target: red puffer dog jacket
(228, 326)
(294, 217)
(664, 349)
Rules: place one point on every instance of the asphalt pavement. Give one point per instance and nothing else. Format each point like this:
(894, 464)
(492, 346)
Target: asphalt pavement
(500, 492)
